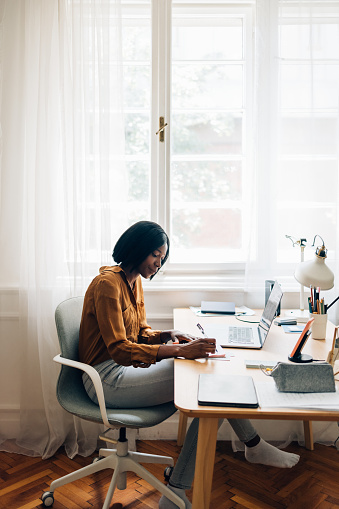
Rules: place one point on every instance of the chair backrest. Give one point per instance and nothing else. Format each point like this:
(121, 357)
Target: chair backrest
(71, 393)
(67, 319)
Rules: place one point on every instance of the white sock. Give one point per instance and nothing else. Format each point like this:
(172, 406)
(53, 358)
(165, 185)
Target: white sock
(267, 454)
(165, 503)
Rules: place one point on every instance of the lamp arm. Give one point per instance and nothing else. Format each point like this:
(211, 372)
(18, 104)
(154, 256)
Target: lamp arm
(319, 238)
(302, 243)
(333, 302)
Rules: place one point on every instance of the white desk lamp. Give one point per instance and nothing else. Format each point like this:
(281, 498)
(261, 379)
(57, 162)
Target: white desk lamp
(313, 273)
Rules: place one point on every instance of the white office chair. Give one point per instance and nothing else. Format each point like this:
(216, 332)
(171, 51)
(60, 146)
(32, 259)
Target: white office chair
(73, 398)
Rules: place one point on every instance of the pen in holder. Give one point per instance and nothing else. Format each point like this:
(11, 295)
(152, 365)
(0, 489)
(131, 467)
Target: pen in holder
(318, 311)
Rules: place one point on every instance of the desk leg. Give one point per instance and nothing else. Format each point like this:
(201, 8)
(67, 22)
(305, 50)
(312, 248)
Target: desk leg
(182, 428)
(308, 435)
(204, 464)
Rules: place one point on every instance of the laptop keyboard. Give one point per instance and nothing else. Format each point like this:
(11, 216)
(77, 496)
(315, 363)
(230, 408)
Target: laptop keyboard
(240, 335)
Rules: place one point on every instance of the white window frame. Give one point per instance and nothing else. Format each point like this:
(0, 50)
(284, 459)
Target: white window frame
(161, 106)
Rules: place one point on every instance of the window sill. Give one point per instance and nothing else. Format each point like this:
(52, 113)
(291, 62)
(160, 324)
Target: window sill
(166, 282)
(213, 282)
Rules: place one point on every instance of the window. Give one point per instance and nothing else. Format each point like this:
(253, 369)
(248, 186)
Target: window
(210, 132)
(193, 183)
(248, 91)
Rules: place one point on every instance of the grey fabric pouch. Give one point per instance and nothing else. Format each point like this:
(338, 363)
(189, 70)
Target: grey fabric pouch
(310, 377)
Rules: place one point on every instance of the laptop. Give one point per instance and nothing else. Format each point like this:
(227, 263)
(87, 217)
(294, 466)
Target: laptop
(227, 390)
(247, 336)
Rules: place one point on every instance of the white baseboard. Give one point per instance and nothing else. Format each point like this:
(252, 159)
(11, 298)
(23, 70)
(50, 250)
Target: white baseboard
(9, 421)
(273, 431)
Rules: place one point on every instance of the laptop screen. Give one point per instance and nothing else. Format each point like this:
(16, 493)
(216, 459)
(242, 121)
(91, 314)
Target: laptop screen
(270, 310)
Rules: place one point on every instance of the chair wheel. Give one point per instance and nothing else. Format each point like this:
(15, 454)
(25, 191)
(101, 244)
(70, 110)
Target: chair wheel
(47, 499)
(167, 473)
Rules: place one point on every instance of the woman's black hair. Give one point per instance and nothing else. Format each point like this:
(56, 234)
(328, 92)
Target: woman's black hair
(138, 242)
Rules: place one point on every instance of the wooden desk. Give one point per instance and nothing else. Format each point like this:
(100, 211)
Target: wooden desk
(277, 347)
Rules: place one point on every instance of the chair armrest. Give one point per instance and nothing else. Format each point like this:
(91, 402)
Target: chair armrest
(94, 375)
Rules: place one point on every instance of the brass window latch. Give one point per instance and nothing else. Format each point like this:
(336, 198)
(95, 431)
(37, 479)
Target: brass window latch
(161, 130)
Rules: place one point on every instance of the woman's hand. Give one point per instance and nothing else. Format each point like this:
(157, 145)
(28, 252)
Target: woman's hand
(176, 336)
(195, 349)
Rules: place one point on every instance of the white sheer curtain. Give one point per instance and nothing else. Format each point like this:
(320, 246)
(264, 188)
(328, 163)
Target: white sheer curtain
(259, 264)
(295, 135)
(62, 162)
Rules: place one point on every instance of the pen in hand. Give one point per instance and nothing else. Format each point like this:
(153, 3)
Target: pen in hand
(203, 333)
(200, 327)
(217, 352)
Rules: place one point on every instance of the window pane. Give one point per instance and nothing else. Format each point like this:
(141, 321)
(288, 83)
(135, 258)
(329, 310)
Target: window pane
(304, 174)
(140, 213)
(207, 86)
(206, 133)
(309, 135)
(316, 41)
(137, 128)
(137, 70)
(205, 235)
(137, 80)
(208, 181)
(136, 36)
(309, 86)
(138, 181)
(207, 42)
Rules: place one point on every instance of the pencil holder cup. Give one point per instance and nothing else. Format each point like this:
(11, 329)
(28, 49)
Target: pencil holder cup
(319, 326)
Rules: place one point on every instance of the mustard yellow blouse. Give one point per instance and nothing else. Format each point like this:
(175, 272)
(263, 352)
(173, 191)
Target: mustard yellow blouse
(113, 323)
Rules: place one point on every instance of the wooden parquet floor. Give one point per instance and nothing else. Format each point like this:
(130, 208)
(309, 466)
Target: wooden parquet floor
(313, 483)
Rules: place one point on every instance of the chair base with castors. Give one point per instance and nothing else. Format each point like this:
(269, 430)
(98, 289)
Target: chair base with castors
(120, 460)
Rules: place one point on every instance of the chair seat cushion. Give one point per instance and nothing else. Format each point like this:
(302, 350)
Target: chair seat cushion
(73, 397)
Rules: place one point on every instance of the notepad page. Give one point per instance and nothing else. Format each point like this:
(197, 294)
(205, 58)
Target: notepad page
(269, 396)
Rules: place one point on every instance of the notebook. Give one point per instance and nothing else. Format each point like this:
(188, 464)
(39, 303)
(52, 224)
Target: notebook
(247, 336)
(227, 390)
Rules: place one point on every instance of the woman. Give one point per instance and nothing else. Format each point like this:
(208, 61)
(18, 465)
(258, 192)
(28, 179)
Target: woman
(115, 338)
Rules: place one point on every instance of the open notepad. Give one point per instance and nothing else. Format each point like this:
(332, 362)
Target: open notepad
(269, 396)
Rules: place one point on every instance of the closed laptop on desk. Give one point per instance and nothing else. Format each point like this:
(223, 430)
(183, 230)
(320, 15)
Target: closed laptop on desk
(247, 336)
(221, 308)
(227, 390)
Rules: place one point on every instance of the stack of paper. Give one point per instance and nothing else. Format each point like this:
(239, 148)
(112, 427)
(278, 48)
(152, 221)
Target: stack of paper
(269, 396)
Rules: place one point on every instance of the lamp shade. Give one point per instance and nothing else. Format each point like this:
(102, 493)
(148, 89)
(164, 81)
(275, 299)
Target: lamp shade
(315, 272)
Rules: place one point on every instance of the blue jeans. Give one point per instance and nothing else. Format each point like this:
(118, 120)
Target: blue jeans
(128, 387)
